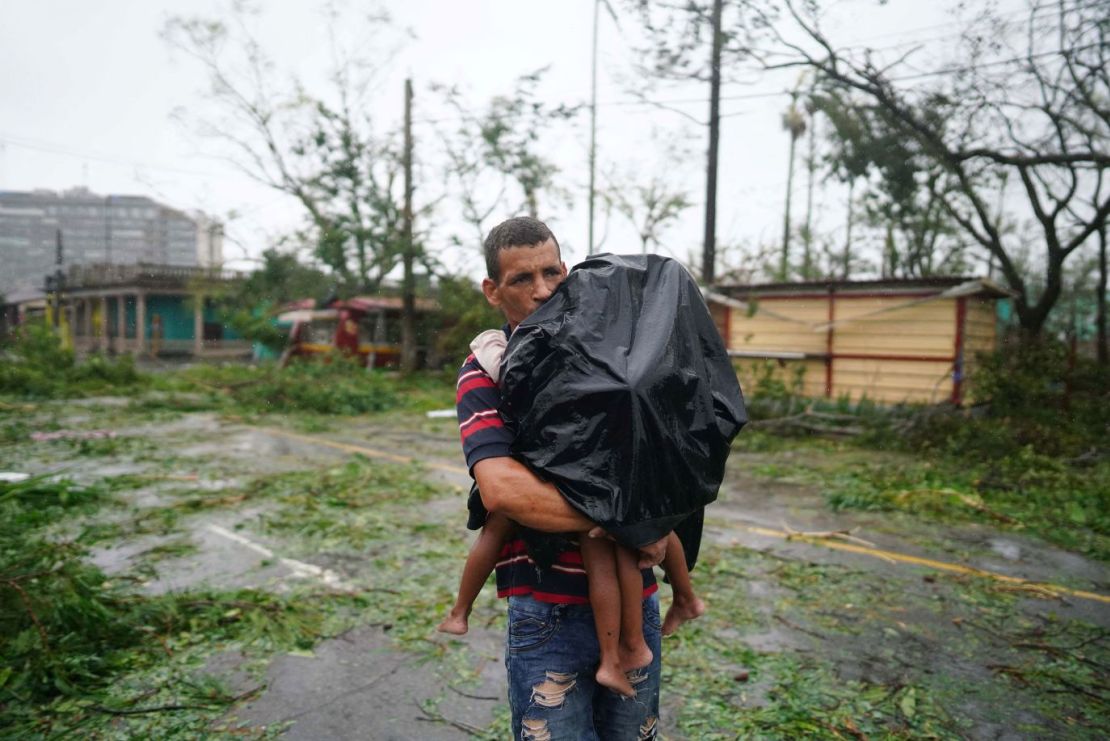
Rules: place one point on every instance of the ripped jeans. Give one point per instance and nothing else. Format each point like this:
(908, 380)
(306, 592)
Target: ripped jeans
(551, 655)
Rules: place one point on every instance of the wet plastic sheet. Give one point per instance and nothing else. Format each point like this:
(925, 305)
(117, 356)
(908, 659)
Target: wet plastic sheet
(620, 391)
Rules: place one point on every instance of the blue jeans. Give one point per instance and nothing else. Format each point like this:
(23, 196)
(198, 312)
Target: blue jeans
(551, 655)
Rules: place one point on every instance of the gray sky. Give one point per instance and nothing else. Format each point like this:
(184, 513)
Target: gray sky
(89, 86)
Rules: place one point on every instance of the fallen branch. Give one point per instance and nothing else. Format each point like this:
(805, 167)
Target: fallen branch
(174, 708)
(473, 697)
(792, 534)
(438, 718)
(964, 499)
(26, 600)
(979, 507)
(799, 628)
(1037, 590)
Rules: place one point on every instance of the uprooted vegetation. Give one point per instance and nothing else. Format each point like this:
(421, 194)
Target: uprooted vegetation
(1034, 458)
(37, 367)
(790, 648)
(77, 642)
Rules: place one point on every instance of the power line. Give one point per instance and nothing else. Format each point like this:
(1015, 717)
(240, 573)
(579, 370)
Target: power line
(61, 149)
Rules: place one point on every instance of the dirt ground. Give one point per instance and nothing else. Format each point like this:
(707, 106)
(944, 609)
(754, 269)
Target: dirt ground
(964, 621)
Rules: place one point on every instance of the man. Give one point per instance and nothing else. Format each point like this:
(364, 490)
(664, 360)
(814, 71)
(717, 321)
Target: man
(551, 649)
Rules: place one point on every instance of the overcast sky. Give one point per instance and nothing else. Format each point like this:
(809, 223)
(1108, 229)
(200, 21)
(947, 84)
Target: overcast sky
(88, 88)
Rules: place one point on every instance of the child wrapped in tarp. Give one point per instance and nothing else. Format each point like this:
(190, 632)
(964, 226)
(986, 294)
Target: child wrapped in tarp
(620, 392)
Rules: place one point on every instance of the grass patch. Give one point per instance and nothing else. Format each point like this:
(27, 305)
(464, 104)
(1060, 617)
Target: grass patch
(1061, 504)
(70, 634)
(343, 507)
(336, 387)
(829, 652)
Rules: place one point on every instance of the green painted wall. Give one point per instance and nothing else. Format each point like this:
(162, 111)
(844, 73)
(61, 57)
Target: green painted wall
(176, 318)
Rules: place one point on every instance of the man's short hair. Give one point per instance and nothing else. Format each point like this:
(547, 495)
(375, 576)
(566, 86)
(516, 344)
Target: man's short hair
(519, 231)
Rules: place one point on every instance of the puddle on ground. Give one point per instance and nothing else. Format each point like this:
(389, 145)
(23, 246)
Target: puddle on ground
(1008, 549)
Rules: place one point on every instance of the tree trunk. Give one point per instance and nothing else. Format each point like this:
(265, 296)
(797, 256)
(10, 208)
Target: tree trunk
(784, 267)
(848, 231)
(807, 237)
(1100, 299)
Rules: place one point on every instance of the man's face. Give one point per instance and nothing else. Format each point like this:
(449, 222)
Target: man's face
(529, 275)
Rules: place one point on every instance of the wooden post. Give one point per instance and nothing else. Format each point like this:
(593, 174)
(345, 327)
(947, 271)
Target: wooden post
(593, 139)
(709, 246)
(408, 287)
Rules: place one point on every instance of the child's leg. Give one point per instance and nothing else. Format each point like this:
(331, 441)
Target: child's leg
(635, 653)
(479, 564)
(599, 559)
(685, 605)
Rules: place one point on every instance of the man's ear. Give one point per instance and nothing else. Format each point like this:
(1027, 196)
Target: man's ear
(493, 296)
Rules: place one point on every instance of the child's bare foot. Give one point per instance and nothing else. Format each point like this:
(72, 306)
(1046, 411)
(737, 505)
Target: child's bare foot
(456, 623)
(635, 657)
(611, 676)
(682, 610)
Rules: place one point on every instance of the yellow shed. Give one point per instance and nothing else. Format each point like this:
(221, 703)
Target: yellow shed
(890, 341)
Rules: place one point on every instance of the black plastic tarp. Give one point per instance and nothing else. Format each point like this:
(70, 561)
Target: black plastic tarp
(620, 391)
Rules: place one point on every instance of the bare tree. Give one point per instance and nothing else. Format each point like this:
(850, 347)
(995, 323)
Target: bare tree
(320, 147)
(1037, 112)
(652, 207)
(494, 155)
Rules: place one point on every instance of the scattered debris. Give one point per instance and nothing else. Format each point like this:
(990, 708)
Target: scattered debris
(13, 477)
(792, 534)
(441, 413)
(41, 437)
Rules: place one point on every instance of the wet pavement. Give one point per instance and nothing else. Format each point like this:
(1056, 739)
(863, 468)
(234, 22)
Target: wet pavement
(361, 685)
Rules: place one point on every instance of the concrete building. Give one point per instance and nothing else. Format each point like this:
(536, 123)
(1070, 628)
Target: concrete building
(96, 229)
(143, 310)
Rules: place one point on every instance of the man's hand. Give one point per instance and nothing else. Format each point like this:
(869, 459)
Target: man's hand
(650, 555)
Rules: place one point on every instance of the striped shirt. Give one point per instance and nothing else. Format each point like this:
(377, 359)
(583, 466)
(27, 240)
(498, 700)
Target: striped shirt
(484, 435)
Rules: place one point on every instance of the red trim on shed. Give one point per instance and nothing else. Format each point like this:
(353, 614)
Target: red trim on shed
(829, 344)
(958, 360)
(908, 358)
(843, 295)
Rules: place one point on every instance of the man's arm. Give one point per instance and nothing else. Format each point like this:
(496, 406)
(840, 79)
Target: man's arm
(509, 487)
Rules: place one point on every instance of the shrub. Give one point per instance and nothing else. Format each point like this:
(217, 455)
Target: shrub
(36, 365)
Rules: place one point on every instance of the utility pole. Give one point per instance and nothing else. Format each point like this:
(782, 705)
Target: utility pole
(408, 288)
(709, 248)
(593, 135)
(55, 283)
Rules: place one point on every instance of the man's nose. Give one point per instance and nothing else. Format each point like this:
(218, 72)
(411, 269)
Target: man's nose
(542, 291)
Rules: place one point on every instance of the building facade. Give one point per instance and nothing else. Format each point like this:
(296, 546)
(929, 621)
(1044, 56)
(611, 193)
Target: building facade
(96, 229)
(143, 310)
(889, 341)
